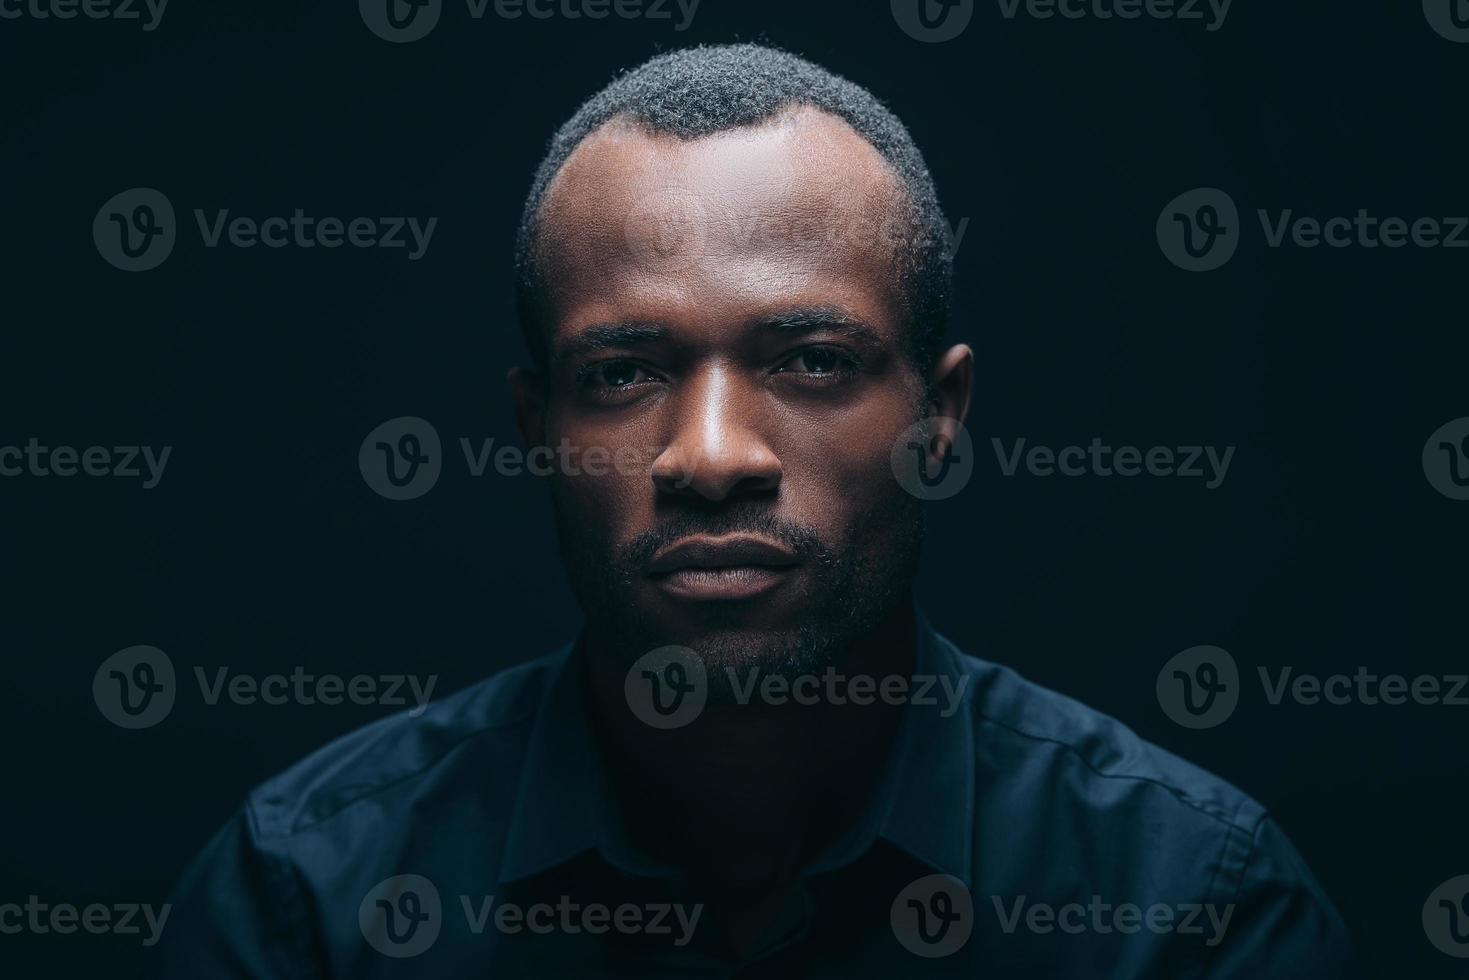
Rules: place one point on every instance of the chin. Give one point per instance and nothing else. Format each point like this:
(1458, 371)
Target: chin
(799, 647)
(741, 655)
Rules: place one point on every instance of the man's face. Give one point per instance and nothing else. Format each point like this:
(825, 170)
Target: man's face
(727, 328)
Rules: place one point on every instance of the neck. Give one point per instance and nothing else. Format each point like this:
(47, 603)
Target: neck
(749, 792)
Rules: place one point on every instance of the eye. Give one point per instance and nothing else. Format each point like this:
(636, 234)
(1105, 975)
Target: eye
(613, 374)
(819, 362)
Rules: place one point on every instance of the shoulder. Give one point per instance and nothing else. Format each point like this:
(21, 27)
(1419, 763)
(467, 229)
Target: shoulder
(483, 727)
(1104, 811)
(1081, 806)
(1087, 758)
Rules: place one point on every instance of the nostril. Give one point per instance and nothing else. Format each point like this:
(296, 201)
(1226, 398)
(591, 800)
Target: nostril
(717, 478)
(671, 471)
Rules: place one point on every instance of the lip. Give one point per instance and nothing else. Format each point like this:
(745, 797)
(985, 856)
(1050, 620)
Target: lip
(734, 551)
(723, 568)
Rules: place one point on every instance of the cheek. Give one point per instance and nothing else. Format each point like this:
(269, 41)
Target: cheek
(839, 467)
(601, 480)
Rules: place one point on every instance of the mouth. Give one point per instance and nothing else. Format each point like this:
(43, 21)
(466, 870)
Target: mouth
(722, 568)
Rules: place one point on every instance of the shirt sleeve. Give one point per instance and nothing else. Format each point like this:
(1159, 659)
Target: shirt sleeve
(1281, 922)
(238, 912)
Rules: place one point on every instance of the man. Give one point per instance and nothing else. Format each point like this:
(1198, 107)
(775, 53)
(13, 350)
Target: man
(757, 758)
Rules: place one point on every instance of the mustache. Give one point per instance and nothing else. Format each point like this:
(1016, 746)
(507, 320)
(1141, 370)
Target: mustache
(801, 540)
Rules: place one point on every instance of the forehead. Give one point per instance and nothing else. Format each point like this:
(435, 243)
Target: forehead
(797, 211)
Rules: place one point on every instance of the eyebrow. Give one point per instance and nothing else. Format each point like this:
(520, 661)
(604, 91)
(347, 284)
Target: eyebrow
(607, 336)
(820, 319)
(789, 323)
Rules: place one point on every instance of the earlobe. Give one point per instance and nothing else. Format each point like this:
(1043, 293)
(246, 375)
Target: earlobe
(528, 392)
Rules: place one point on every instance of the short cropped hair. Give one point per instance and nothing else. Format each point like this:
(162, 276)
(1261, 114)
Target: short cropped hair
(700, 91)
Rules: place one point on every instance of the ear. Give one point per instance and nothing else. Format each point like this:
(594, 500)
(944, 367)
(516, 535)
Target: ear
(528, 392)
(949, 387)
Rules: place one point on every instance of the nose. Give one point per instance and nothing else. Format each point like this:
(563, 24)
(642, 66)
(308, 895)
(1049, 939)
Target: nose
(717, 451)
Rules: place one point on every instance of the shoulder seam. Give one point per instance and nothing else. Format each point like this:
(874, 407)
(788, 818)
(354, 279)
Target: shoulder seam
(299, 826)
(1253, 836)
(285, 887)
(1230, 822)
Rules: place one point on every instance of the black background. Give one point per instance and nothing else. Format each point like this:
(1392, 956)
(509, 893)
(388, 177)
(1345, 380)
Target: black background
(262, 548)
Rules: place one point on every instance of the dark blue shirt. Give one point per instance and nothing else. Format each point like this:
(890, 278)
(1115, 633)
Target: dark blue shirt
(1021, 835)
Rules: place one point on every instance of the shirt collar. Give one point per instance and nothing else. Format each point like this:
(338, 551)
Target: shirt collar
(564, 806)
(924, 803)
(555, 816)
(931, 773)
